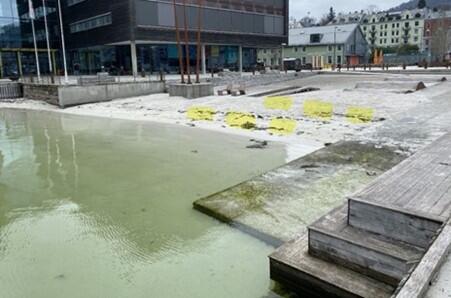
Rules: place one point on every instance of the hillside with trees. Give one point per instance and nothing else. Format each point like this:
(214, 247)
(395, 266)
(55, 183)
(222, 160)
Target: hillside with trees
(412, 4)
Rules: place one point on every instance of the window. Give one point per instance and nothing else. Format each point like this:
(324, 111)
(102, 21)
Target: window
(73, 2)
(315, 38)
(295, 49)
(304, 60)
(304, 49)
(330, 48)
(364, 28)
(339, 59)
(91, 23)
(417, 23)
(329, 59)
(339, 47)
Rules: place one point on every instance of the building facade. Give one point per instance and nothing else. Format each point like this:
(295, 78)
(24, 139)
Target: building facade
(17, 56)
(106, 34)
(389, 29)
(437, 37)
(321, 46)
(131, 36)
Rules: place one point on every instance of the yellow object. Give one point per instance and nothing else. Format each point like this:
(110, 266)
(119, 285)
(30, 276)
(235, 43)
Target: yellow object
(278, 103)
(282, 126)
(241, 120)
(318, 109)
(201, 113)
(358, 115)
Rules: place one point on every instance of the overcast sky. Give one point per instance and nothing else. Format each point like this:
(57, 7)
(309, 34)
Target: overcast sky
(318, 8)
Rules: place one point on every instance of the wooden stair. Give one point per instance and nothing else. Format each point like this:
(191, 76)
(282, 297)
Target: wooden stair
(386, 260)
(371, 246)
(312, 277)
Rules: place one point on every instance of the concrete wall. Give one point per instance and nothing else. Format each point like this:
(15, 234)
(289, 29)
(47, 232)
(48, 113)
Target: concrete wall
(47, 93)
(191, 91)
(71, 95)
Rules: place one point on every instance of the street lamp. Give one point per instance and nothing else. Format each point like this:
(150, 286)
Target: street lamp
(281, 57)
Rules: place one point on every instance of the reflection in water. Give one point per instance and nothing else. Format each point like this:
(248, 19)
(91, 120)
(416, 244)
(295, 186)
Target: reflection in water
(103, 208)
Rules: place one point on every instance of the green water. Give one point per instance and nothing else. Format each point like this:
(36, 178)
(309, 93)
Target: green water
(93, 207)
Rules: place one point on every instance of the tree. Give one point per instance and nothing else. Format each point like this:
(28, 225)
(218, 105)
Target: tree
(308, 21)
(408, 49)
(371, 9)
(421, 4)
(331, 15)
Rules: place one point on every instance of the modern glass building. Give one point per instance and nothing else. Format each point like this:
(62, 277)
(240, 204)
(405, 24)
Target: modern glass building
(131, 36)
(17, 56)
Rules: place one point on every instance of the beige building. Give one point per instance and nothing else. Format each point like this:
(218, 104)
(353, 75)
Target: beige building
(389, 29)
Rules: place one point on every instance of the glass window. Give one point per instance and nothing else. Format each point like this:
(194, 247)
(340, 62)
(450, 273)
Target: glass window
(73, 2)
(91, 23)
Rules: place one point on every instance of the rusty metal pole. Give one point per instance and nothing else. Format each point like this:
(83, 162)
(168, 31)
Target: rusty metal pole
(199, 24)
(179, 47)
(188, 66)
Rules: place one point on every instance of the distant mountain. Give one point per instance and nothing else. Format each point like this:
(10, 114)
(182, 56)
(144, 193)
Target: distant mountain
(412, 4)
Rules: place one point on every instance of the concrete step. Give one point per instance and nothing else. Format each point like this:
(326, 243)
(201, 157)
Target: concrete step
(396, 223)
(312, 277)
(384, 259)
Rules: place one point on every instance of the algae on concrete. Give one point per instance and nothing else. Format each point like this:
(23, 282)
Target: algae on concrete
(278, 205)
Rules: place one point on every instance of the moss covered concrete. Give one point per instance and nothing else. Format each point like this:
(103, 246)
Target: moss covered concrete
(277, 206)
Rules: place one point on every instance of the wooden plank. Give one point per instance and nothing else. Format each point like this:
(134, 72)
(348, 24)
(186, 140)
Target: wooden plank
(393, 223)
(417, 184)
(379, 266)
(418, 282)
(293, 266)
(332, 239)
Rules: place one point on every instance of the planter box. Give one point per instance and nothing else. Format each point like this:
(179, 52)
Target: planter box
(191, 91)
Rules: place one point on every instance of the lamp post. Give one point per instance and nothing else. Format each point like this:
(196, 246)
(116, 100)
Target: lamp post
(63, 43)
(179, 46)
(335, 47)
(47, 36)
(188, 67)
(282, 67)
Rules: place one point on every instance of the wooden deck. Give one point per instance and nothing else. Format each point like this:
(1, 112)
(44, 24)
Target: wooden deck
(420, 185)
(392, 235)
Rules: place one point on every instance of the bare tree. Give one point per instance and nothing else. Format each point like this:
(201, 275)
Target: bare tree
(372, 9)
